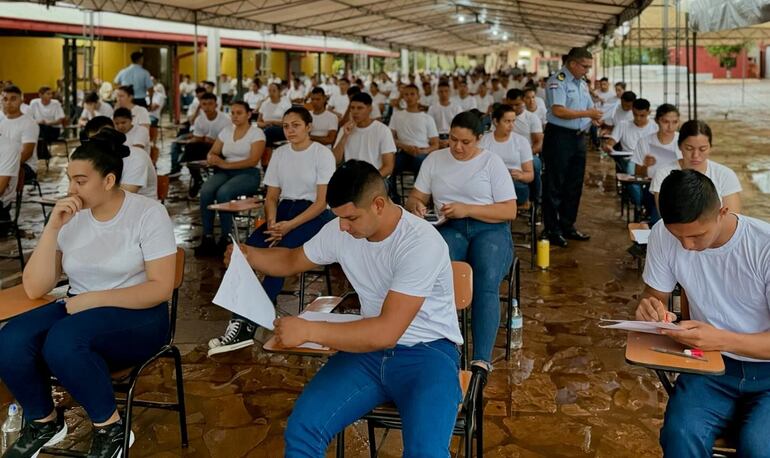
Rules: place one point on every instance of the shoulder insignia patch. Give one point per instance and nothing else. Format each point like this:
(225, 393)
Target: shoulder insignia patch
(561, 76)
(553, 86)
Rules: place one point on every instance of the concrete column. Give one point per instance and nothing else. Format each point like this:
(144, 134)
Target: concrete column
(212, 56)
(404, 62)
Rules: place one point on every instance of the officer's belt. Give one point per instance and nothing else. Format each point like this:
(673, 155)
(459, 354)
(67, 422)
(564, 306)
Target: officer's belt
(565, 129)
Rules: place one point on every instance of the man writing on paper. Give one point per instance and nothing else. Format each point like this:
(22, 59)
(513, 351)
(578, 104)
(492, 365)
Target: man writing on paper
(405, 348)
(722, 261)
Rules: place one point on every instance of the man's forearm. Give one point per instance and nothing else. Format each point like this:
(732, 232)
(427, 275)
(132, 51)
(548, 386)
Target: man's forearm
(355, 337)
(276, 262)
(750, 345)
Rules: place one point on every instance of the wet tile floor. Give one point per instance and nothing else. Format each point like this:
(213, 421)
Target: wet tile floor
(568, 392)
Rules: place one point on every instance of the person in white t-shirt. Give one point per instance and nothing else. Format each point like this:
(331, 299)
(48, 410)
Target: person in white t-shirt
(254, 97)
(379, 100)
(473, 193)
(498, 92)
(338, 103)
(271, 115)
(205, 131)
(93, 107)
(48, 113)
(427, 98)
(404, 347)
(136, 135)
(625, 136)
(535, 104)
(415, 135)
(464, 99)
(605, 99)
(155, 108)
(295, 210)
(695, 147)
(443, 112)
(325, 123)
(657, 150)
(513, 149)
(296, 92)
(484, 100)
(118, 252)
(236, 155)
(621, 112)
(139, 175)
(365, 139)
(721, 259)
(528, 125)
(124, 98)
(20, 135)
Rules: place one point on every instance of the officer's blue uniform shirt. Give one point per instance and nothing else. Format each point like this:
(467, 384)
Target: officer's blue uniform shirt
(572, 93)
(135, 75)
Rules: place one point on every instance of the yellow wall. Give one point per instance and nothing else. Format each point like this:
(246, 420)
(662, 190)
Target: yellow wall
(110, 57)
(186, 63)
(310, 62)
(278, 64)
(31, 62)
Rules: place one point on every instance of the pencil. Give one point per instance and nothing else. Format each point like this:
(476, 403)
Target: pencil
(677, 353)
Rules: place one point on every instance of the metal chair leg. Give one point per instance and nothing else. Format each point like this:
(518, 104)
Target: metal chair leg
(127, 415)
(180, 396)
(372, 440)
(341, 444)
(328, 275)
(18, 243)
(301, 292)
(509, 309)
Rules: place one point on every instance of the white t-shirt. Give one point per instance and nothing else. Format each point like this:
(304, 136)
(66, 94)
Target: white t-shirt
(724, 179)
(274, 111)
(541, 111)
(467, 103)
(663, 154)
(138, 136)
(298, 173)
(140, 115)
(526, 124)
(482, 180)
(727, 287)
(10, 162)
(443, 115)
(428, 100)
(323, 123)
(608, 100)
(379, 100)
(51, 112)
(413, 260)
(339, 103)
(19, 131)
(104, 109)
(368, 143)
(239, 150)
(514, 151)
(498, 95)
(296, 93)
(106, 255)
(159, 99)
(254, 99)
(204, 127)
(483, 103)
(414, 129)
(138, 170)
(628, 134)
(618, 115)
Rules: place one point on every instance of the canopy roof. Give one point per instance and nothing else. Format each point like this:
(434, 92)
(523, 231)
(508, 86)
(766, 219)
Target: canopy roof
(461, 26)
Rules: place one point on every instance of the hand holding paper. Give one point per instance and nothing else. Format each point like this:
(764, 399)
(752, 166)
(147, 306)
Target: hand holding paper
(650, 327)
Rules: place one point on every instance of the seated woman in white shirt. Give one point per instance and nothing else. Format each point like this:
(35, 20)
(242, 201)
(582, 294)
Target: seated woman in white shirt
(139, 175)
(295, 210)
(271, 112)
(473, 192)
(695, 147)
(48, 113)
(118, 252)
(135, 135)
(236, 154)
(513, 149)
(656, 150)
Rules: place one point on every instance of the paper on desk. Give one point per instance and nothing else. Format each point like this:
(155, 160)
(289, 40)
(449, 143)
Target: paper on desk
(242, 293)
(641, 235)
(650, 327)
(621, 153)
(329, 318)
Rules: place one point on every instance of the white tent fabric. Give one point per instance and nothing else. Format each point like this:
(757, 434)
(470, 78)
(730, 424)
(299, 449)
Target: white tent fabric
(716, 15)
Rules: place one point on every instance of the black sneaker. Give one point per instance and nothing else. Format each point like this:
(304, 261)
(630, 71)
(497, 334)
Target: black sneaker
(36, 435)
(207, 248)
(195, 187)
(239, 334)
(107, 441)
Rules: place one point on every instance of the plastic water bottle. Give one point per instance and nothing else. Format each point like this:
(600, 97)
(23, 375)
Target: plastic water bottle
(11, 426)
(517, 327)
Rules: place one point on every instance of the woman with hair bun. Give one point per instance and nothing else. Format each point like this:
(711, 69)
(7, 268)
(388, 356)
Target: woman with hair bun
(472, 189)
(118, 250)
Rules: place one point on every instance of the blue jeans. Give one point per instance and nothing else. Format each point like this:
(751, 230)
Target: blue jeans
(703, 406)
(536, 187)
(287, 209)
(421, 380)
(224, 186)
(176, 148)
(80, 350)
(488, 248)
(522, 192)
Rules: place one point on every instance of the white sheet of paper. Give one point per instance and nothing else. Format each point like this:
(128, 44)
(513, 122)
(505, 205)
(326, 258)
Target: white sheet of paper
(621, 153)
(329, 318)
(650, 327)
(242, 293)
(641, 235)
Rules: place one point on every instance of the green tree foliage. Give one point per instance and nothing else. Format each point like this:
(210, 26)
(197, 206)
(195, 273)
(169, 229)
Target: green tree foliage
(727, 54)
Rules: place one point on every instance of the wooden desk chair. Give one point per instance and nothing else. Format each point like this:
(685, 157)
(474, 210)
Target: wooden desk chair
(154, 154)
(638, 250)
(124, 381)
(163, 186)
(14, 222)
(470, 416)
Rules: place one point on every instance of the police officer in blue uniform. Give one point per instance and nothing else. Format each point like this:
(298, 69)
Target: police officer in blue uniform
(570, 115)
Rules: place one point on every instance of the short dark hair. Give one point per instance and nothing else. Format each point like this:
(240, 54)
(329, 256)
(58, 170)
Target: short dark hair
(317, 91)
(302, 112)
(91, 97)
(685, 196)
(468, 120)
(578, 53)
(362, 97)
(665, 109)
(353, 90)
(127, 89)
(241, 104)
(412, 86)
(96, 124)
(514, 94)
(353, 182)
(641, 104)
(122, 113)
(621, 84)
(628, 96)
(11, 89)
(604, 79)
(200, 89)
(443, 83)
(136, 56)
(208, 96)
(43, 89)
(529, 88)
(693, 128)
(500, 110)
(341, 80)
(104, 149)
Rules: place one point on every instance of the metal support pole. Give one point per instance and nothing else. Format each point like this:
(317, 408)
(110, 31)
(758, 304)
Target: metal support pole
(73, 96)
(665, 51)
(195, 48)
(695, 75)
(623, 58)
(639, 49)
(677, 8)
(743, 76)
(320, 68)
(173, 90)
(65, 61)
(239, 72)
(687, 62)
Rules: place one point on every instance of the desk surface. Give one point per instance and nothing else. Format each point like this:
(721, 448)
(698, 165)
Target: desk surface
(639, 352)
(626, 178)
(238, 205)
(322, 304)
(636, 227)
(14, 302)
